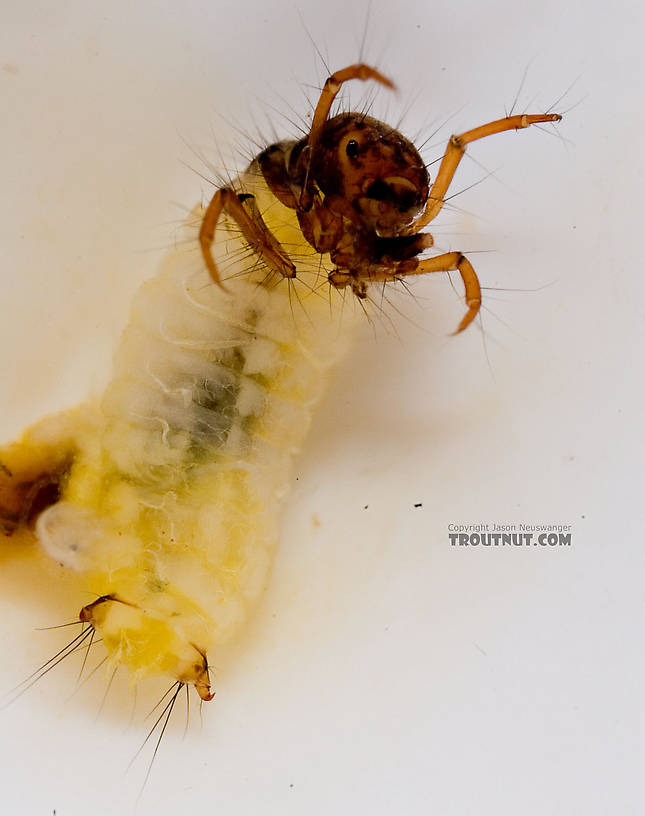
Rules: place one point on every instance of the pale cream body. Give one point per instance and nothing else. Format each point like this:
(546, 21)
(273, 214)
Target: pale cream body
(172, 504)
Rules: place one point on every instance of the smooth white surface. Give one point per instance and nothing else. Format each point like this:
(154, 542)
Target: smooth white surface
(386, 671)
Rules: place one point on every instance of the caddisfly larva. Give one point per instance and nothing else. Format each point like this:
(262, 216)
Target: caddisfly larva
(164, 496)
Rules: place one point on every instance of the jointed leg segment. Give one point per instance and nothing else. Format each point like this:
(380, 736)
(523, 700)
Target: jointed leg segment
(329, 92)
(473, 292)
(456, 149)
(243, 210)
(440, 263)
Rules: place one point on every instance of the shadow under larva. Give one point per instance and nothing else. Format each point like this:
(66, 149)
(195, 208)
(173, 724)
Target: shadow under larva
(162, 497)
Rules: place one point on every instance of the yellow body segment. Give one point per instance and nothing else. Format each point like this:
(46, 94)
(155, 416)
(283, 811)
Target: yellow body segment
(169, 504)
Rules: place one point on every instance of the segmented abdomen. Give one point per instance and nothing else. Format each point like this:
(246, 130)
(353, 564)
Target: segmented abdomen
(172, 504)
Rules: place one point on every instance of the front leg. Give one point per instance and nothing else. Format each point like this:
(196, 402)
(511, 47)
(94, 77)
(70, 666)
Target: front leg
(440, 263)
(455, 151)
(244, 211)
(329, 92)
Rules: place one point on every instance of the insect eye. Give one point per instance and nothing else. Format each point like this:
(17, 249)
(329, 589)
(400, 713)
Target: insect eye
(352, 148)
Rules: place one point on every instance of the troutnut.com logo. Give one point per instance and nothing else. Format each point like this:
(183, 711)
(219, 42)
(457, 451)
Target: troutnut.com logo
(509, 535)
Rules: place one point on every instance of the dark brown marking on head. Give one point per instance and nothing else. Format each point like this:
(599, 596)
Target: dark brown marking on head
(374, 168)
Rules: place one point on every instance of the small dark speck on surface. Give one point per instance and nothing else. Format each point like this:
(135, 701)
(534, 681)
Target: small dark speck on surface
(583, 517)
(420, 504)
(366, 506)
(291, 784)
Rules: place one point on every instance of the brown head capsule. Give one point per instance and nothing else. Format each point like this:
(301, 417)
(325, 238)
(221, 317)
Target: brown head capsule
(361, 193)
(375, 169)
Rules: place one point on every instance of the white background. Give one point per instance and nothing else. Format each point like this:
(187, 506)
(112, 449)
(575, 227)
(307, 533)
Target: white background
(385, 671)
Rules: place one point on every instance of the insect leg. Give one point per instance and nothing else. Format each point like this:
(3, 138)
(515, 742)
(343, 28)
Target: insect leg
(244, 211)
(473, 292)
(329, 92)
(456, 149)
(440, 263)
